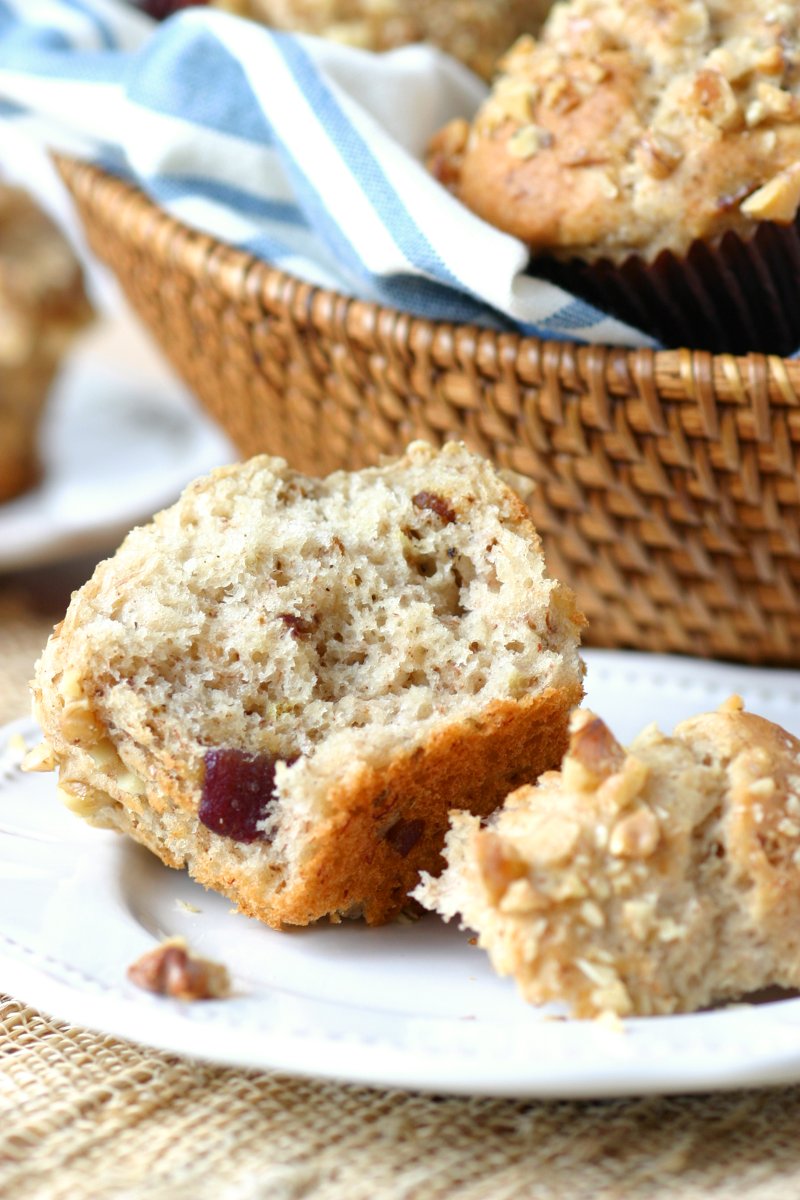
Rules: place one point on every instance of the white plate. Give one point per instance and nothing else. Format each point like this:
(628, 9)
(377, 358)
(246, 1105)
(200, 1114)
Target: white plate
(405, 1005)
(121, 438)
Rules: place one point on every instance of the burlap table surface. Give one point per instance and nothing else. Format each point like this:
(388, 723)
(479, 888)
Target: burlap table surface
(85, 1115)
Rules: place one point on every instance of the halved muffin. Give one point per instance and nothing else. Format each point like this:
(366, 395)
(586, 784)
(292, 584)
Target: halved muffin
(285, 683)
(656, 879)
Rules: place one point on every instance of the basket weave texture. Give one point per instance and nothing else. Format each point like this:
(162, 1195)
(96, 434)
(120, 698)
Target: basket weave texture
(666, 483)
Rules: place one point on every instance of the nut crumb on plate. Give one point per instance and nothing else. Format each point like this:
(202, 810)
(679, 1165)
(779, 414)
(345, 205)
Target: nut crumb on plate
(172, 969)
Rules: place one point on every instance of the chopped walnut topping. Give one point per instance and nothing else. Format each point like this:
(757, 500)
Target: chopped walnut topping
(561, 95)
(594, 753)
(622, 789)
(733, 704)
(498, 867)
(660, 154)
(715, 99)
(635, 836)
(522, 897)
(772, 61)
(770, 104)
(513, 98)
(517, 57)
(687, 23)
(172, 970)
(777, 200)
(528, 141)
(762, 787)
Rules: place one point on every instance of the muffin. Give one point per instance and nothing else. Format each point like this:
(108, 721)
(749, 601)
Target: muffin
(475, 31)
(648, 156)
(653, 880)
(42, 306)
(284, 683)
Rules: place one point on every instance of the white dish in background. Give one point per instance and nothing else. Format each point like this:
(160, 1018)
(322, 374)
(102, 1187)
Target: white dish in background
(120, 439)
(405, 1005)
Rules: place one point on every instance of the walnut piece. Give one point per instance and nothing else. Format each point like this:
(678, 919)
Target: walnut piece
(528, 141)
(172, 970)
(660, 153)
(498, 866)
(594, 753)
(636, 835)
(777, 200)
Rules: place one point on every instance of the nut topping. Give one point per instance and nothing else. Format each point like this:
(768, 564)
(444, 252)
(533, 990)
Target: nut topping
(498, 866)
(661, 154)
(172, 970)
(777, 200)
(594, 753)
(528, 141)
(635, 836)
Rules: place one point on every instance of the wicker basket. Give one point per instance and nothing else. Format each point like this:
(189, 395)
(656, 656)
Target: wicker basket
(667, 490)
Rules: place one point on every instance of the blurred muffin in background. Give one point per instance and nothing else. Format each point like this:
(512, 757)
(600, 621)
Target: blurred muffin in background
(43, 306)
(649, 156)
(475, 31)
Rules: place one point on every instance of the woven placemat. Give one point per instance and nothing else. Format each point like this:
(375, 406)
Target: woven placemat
(86, 1117)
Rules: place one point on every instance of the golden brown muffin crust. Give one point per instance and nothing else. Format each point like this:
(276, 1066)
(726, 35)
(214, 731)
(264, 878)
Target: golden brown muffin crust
(637, 127)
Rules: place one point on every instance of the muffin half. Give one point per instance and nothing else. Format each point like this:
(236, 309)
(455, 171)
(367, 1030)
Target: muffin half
(285, 683)
(656, 879)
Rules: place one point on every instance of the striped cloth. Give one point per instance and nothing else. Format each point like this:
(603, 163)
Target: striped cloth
(303, 152)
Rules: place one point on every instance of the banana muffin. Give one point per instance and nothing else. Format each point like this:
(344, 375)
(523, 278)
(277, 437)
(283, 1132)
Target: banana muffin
(285, 683)
(648, 155)
(653, 880)
(42, 307)
(475, 31)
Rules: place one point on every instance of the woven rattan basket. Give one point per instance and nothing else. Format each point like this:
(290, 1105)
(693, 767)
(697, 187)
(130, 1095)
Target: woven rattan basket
(667, 489)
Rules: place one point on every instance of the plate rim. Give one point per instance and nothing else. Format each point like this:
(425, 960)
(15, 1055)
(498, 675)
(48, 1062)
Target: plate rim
(168, 1026)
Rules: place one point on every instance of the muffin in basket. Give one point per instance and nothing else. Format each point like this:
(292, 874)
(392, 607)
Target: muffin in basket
(656, 879)
(649, 155)
(43, 306)
(475, 31)
(285, 683)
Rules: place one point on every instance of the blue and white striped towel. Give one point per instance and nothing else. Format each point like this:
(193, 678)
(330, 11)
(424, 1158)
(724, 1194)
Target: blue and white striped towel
(305, 153)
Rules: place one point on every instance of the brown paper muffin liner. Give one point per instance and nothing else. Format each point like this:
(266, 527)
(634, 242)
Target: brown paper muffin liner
(732, 295)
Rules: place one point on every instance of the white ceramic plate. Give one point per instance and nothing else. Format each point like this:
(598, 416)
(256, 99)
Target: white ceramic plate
(121, 438)
(406, 1005)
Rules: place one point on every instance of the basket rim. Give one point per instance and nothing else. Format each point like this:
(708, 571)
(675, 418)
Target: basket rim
(699, 376)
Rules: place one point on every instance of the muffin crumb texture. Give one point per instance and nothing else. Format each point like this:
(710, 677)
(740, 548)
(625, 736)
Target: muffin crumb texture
(631, 127)
(657, 879)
